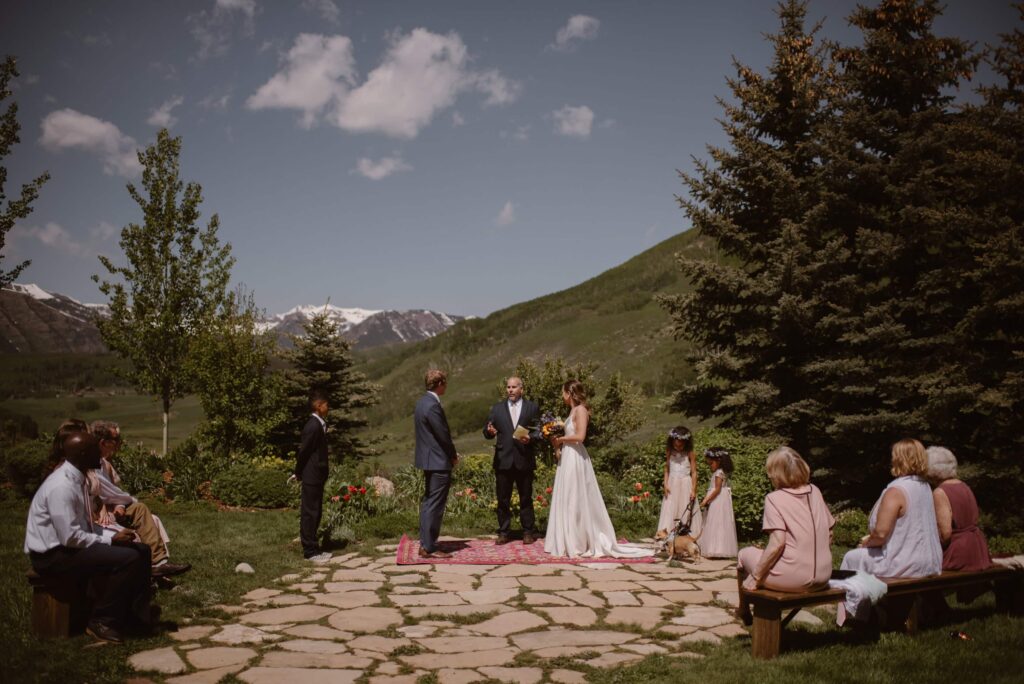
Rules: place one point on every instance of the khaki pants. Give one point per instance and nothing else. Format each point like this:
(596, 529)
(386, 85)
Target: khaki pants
(139, 518)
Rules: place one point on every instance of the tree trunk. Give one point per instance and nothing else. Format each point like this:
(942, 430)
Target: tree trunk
(167, 411)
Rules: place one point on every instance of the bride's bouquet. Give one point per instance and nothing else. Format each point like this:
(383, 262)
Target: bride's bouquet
(550, 426)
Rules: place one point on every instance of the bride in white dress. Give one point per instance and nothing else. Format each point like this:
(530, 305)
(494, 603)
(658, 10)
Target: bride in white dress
(578, 524)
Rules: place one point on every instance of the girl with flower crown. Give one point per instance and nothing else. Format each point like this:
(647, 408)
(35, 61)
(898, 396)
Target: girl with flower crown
(680, 482)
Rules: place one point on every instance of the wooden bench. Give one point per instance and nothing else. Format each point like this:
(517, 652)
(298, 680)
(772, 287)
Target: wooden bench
(60, 605)
(902, 599)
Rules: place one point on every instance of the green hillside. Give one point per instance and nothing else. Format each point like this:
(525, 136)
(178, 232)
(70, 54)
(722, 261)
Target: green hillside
(612, 320)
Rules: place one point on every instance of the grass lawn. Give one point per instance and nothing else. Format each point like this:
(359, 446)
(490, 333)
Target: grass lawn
(215, 541)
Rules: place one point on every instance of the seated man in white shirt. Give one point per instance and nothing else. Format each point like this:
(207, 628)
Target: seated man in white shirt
(118, 507)
(61, 538)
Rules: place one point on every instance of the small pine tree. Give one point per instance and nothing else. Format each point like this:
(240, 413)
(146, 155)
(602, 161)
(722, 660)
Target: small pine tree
(20, 208)
(321, 360)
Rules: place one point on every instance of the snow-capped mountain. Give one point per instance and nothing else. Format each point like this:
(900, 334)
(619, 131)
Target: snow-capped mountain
(33, 320)
(365, 328)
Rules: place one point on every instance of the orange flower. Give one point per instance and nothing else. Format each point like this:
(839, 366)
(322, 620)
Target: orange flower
(634, 499)
(647, 495)
(638, 487)
(548, 490)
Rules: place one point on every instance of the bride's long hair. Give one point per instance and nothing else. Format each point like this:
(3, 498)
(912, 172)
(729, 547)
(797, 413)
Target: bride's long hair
(577, 393)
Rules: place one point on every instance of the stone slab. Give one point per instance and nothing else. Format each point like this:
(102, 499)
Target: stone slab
(606, 660)
(485, 596)
(501, 656)
(365, 619)
(579, 616)
(350, 599)
(553, 583)
(337, 587)
(509, 623)
(286, 659)
(379, 644)
(448, 675)
(276, 675)
(219, 656)
(277, 616)
(241, 634)
(460, 611)
(621, 598)
(550, 638)
(162, 660)
(613, 585)
(584, 597)
(700, 636)
(516, 675)
(461, 644)
(318, 632)
(686, 597)
(193, 632)
(313, 646)
(538, 599)
(703, 616)
(438, 599)
(568, 677)
(646, 618)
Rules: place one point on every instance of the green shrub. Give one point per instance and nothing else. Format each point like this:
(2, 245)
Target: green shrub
(244, 484)
(16, 427)
(141, 470)
(188, 469)
(1006, 546)
(25, 466)
(851, 525)
(88, 405)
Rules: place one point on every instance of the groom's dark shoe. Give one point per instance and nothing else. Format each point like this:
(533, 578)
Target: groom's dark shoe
(502, 540)
(529, 538)
(434, 554)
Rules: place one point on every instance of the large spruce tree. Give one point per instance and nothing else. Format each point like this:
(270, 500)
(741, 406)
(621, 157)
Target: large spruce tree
(869, 280)
(753, 302)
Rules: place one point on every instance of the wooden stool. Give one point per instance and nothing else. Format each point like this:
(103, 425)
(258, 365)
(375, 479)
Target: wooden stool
(60, 605)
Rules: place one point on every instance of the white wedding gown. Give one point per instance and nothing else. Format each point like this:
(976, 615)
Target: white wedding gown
(578, 524)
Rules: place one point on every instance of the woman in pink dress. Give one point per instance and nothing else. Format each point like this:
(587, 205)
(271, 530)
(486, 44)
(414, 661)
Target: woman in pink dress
(798, 556)
(718, 540)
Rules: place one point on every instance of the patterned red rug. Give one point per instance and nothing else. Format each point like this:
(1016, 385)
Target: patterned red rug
(486, 552)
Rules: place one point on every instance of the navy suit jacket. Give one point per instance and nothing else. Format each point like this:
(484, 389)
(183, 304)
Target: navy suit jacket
(508, 451)
(311, 459)
(434, 447)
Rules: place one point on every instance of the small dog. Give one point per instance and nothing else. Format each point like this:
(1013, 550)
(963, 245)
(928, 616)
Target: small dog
(684, 546)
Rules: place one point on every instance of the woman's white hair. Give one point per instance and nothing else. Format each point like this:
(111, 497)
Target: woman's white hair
(941, 463)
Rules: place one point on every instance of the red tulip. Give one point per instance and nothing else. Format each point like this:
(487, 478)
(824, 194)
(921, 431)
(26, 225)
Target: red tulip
(347, 497)
(362, 490)
(638, 487)
(548, 490)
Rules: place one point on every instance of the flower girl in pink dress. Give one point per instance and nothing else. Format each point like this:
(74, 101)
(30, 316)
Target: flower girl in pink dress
(718, 540)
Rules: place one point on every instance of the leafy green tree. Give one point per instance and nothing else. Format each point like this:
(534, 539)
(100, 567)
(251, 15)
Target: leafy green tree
(21, 207)
(321, 360)
(240, 395)
(174, 282)
(754, 304)
(615, 405)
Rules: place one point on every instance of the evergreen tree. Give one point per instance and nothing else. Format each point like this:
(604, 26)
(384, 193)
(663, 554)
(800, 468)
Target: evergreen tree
(174, 283)
(752, 307)
(891, 282)
(21, 207)
(321, 360)
(240, 396)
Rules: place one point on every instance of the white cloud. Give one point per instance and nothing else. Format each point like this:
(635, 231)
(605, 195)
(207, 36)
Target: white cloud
(574, 121)
(215, 101)
(318, 72)
(507, 215)
(68, 129)
(457, 119)
(382, 168)
(104, 231)
(161, 117)
(214, 29)
(421, 74)
(580, 27)
(52, 235)
(327, 9)
(521, 133)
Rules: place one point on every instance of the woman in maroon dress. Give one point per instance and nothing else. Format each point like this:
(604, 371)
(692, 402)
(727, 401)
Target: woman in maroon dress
(956, 511)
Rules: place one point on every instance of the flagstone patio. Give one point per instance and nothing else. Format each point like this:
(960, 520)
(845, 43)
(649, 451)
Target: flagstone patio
(360, 614)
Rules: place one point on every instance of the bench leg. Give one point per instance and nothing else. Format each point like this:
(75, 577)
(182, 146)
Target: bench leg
(51, 616)
(1010, 596)
(767, 631)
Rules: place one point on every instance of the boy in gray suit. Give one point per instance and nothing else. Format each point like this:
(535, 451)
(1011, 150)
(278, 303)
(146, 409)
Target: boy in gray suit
(435, 456)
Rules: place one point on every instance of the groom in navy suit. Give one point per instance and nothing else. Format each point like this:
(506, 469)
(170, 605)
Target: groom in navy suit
(514, 458)
(435, 456)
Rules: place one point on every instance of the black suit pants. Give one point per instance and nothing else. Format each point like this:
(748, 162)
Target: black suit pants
(435, 495)
(126, 595)
(522, 480)
(310, 512)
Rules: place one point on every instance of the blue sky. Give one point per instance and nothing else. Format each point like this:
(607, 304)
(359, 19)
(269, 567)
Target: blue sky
(460, 156)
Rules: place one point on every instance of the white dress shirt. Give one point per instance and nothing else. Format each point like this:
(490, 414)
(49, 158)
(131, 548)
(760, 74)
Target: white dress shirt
(513, 409)
(59, 514)
(107, 491)
(434, 394)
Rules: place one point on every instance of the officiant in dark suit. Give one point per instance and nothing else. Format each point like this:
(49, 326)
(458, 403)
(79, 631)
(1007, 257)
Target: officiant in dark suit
(435, 456)
(514, 458)
(311, 471)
